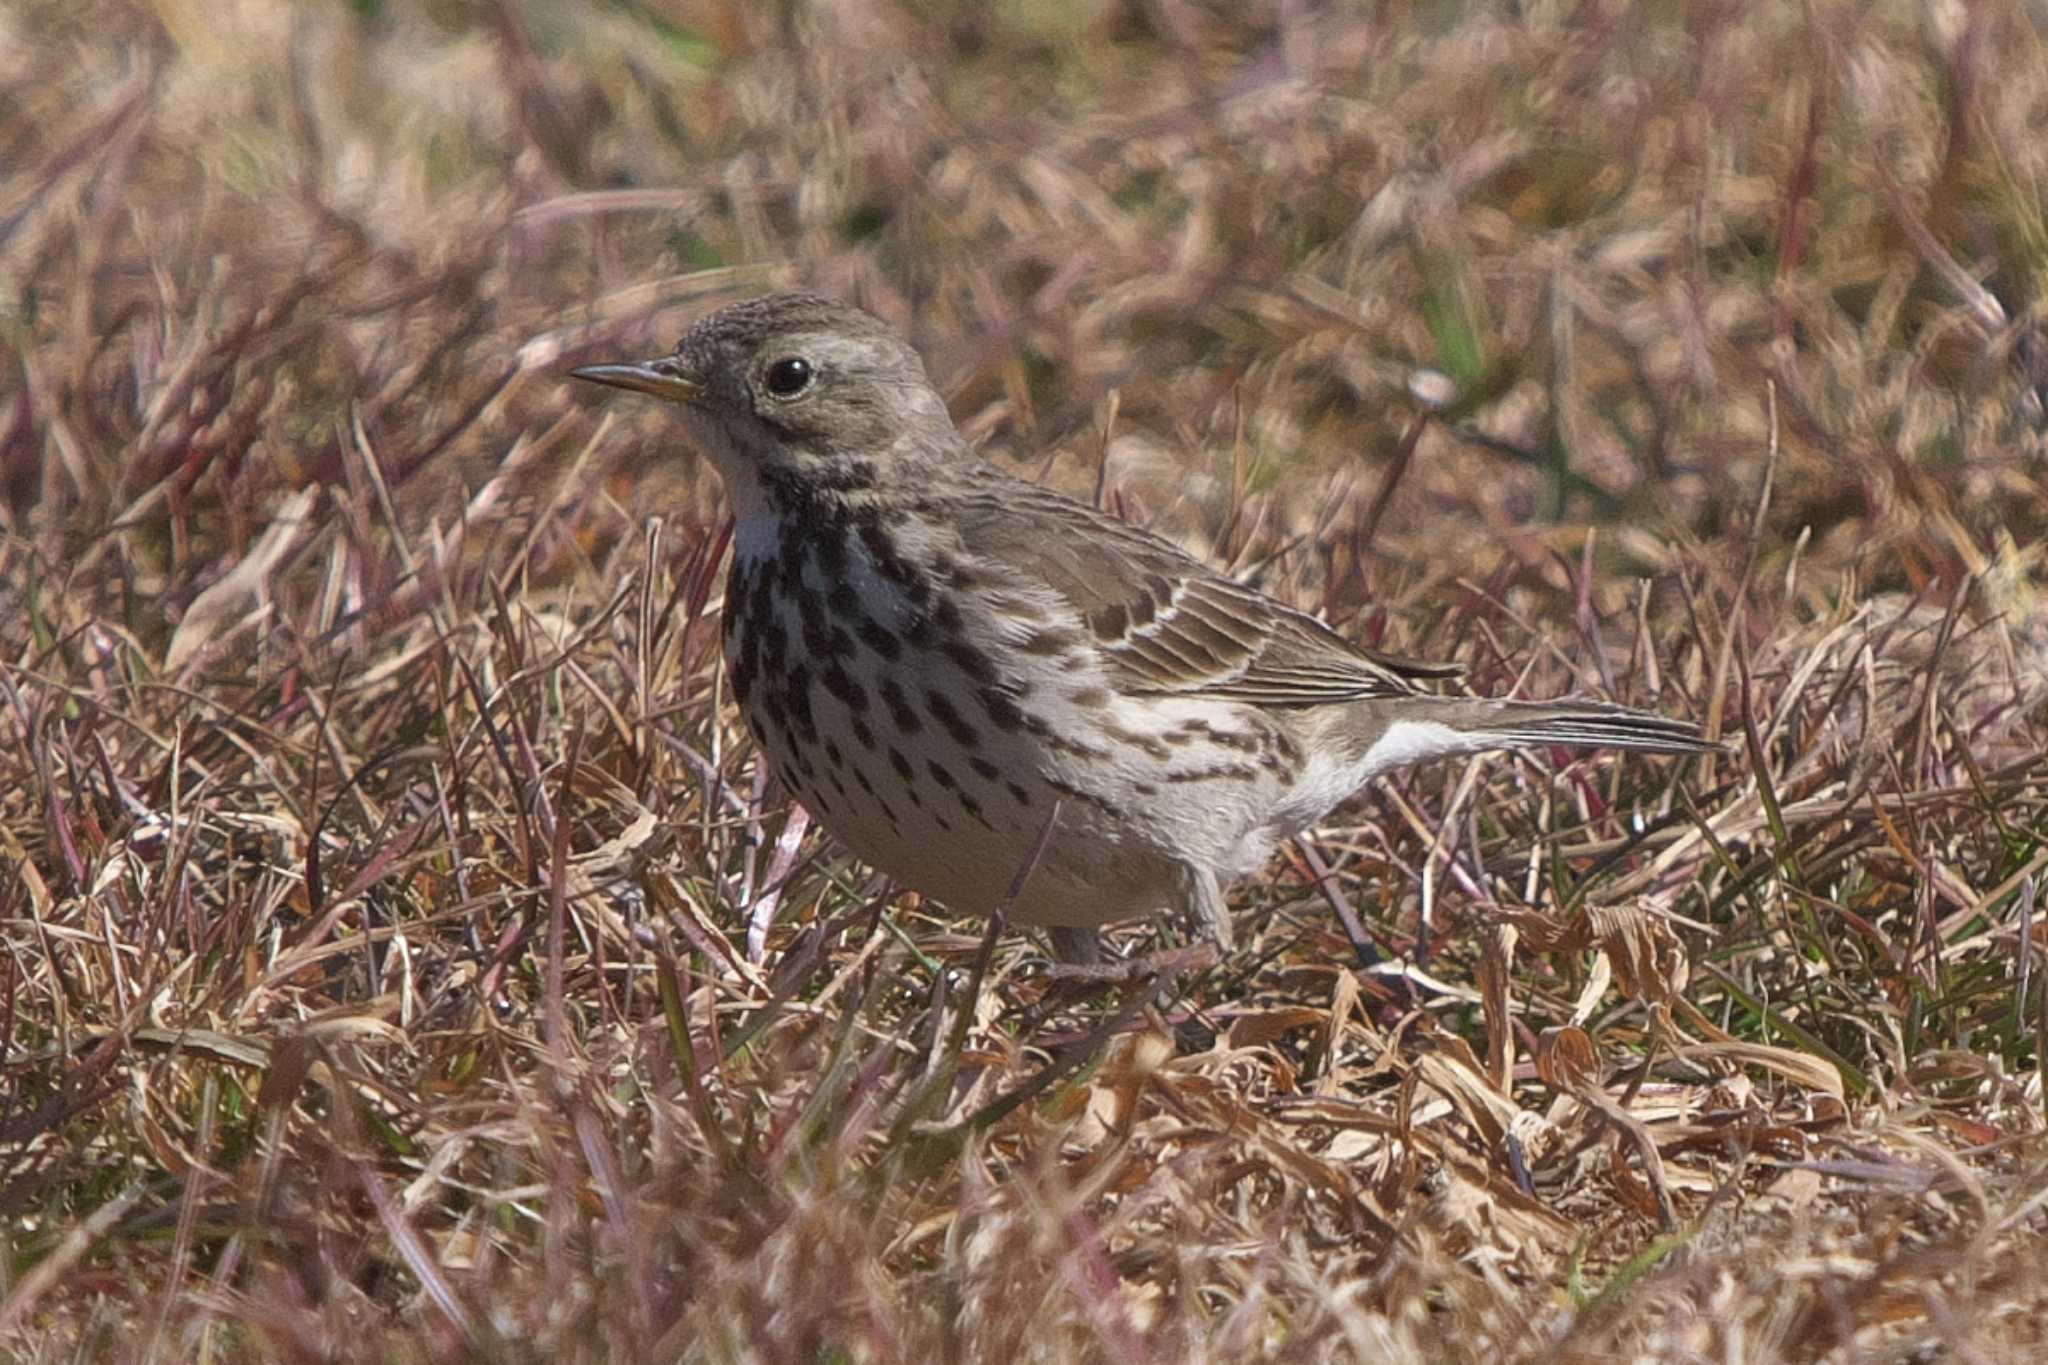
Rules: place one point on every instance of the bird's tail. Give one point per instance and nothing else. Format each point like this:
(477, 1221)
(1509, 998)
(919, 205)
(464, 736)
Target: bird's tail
(1589, 724)
(1393, 734)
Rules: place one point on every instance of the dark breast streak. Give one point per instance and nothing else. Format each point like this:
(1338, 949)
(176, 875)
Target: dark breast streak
(860, 678)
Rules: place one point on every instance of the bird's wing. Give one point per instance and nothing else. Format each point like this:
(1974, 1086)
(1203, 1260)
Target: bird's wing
(1164, 623)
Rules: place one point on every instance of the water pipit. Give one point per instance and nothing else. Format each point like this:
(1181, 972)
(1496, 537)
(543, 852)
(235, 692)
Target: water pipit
(942, 662)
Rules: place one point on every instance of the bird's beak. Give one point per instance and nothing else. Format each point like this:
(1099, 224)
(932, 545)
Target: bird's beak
(661, 378)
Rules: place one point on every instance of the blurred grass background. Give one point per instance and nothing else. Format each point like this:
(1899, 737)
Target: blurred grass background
(406, 959)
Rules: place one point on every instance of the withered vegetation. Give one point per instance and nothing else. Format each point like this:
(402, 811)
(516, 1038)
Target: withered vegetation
(406, 959)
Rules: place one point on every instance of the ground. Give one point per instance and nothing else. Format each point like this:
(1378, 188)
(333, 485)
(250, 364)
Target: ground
(407, 960)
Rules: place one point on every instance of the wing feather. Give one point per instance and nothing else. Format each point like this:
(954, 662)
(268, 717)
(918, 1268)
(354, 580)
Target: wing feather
(1163, 622)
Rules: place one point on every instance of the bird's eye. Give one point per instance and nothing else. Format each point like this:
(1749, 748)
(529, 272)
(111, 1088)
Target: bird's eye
(789, 376)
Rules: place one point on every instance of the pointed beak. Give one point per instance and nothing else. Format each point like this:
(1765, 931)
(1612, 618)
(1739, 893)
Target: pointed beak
(661, 378)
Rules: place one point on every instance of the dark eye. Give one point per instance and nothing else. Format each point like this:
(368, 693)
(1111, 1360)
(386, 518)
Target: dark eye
(789, 376)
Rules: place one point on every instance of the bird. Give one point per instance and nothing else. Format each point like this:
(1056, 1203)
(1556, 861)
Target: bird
(1002, 697)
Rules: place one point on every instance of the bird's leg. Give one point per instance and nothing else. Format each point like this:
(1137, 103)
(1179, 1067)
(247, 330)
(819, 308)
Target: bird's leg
(1078, 951)
(1202, 902)
(1076, 945)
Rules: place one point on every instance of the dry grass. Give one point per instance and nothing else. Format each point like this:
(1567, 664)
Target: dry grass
(382, 863)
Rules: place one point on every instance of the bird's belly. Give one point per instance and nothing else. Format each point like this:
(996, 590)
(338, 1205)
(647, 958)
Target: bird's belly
(895, 727)
(960, 831)
(901, 721)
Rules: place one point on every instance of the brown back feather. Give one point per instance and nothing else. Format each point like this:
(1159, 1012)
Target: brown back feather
(1165, 623)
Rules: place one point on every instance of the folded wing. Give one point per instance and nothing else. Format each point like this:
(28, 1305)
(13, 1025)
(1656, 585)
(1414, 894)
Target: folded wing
(1166, 624)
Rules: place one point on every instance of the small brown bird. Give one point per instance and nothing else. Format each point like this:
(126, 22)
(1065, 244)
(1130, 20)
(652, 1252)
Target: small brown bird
(935, 656)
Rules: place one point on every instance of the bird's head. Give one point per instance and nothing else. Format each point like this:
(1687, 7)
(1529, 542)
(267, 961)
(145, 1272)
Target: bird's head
(790, 392)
